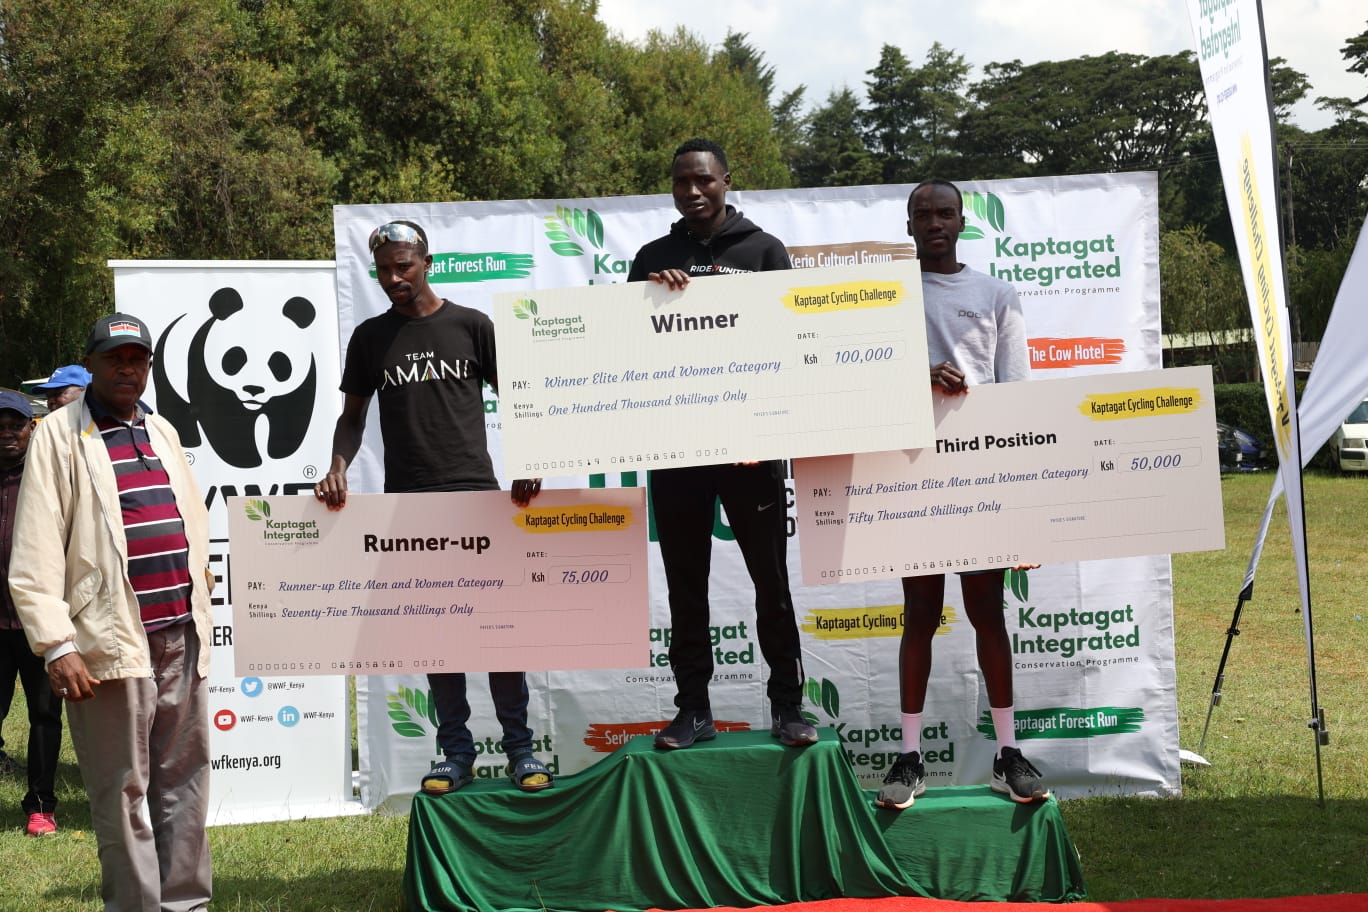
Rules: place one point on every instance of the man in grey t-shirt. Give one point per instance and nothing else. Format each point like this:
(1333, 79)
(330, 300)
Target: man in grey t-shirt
(975, 334)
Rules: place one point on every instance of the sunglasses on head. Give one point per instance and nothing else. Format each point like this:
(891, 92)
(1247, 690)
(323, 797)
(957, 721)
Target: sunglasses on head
(396, 233)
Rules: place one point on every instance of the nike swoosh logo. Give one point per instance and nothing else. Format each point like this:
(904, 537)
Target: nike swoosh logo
(699, 723)
(762, 508)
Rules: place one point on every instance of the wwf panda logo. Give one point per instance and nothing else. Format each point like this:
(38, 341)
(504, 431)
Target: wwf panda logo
(237, 376)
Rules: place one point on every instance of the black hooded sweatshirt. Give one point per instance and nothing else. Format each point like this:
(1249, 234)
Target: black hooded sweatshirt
(738, 246)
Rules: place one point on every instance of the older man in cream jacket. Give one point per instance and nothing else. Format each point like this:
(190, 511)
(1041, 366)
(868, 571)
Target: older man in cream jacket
(109, 576)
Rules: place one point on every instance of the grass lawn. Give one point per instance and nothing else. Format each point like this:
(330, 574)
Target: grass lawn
(1250, 825)
(1247, 826)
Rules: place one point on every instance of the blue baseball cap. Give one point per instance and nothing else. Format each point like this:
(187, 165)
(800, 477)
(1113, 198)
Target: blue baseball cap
(15, 402)
(62, 377)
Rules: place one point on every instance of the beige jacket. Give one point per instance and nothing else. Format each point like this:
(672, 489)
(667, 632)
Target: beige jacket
(68, 566)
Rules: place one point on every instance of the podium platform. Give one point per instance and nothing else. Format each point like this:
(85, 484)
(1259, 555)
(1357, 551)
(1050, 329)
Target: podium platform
(739, 821)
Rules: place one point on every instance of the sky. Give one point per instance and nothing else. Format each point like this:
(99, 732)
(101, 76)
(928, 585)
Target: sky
(826, 44)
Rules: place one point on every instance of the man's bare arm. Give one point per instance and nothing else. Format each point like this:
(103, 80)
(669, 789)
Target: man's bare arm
(351, 424)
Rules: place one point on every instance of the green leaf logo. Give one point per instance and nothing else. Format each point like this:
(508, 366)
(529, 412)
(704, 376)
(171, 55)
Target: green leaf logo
(983, 207)
(567, 224)
(525, 309)
(831, 699)
(402, 721)
(257, 510)
(824, 695)
(1016, 582)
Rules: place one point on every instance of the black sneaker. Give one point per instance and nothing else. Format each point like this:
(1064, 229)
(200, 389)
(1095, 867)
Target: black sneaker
(788, 725)
(904, 784)
(689, 725)
(1015, 777)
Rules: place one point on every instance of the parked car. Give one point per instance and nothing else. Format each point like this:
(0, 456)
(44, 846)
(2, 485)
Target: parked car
(1239, 450)
(1349, 443)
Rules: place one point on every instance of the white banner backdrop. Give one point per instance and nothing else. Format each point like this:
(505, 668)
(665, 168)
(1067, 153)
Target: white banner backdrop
(1095, 681)
(246, 369)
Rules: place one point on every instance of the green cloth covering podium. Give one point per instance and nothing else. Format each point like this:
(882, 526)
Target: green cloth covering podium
(739, 821)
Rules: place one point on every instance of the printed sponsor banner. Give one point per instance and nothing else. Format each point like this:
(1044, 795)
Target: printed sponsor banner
(1082, 252)
(1233, 61)
(246, 369)
(733, 369)
(440, 582)
(1083, 468)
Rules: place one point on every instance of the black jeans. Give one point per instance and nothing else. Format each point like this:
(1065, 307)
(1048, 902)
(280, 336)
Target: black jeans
(44, 715)
(509, 692)
(684, 501)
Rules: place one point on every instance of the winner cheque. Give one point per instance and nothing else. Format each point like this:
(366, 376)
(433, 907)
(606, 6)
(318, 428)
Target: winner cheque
(734, 368)
(1110, 465)
(409, 583)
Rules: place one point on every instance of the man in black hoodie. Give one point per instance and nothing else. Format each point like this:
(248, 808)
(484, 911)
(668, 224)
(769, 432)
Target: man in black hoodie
(714, 239)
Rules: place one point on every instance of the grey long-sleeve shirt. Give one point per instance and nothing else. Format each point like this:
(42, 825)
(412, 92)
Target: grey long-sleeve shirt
(975, 322)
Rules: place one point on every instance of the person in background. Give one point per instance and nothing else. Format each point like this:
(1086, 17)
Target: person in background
(110, 577)
(17, 661)
(65, 385)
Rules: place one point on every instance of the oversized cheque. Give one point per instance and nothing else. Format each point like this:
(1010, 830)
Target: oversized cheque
(768, 365)
(401, 583)
(1104, 466)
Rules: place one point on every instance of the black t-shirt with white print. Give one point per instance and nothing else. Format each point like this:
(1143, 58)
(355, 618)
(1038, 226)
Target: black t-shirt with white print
(428, 375)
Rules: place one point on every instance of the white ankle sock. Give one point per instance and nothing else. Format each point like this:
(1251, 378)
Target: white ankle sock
(911, 732)
(1004, 726)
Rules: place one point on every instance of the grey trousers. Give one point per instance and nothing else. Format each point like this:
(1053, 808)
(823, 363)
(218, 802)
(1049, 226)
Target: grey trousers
(148, 738)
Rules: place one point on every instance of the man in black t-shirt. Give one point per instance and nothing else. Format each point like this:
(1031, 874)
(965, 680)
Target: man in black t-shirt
(427, 360)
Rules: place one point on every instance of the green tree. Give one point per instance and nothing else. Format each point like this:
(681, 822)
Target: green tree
(589, 118)
(747, 61)
(790, 127)
(938, 104)
(743, 58)
(135, 129)
(1355, 51)
(1114, 112)
(673, 88)
(443, 98)
(1314, 277)
(1201, 296)
(834, 153)
(1325, 199)
(1325, 194)
(239, 181)
(890, 119)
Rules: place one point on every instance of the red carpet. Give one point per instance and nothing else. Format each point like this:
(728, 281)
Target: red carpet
(1344, 902)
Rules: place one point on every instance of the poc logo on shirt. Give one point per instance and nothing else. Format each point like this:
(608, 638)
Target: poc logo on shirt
(973, 315)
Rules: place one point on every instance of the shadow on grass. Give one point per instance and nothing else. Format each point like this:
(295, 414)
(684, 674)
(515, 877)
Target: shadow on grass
(1226, 848)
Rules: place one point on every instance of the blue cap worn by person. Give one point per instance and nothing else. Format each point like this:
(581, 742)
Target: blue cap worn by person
(115, 330)
(15, 402)
(62, 377)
